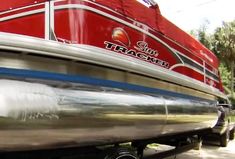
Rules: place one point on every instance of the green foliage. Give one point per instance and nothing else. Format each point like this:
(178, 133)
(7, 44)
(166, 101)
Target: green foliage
(233, 103)
(202, 36)
(224, 47)
(224, 43)
(225, 75)
(193, 33)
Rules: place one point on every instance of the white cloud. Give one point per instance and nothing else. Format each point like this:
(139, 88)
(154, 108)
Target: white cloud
(191, 14)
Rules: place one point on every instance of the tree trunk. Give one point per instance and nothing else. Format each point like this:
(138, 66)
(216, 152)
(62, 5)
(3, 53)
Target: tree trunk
(232, 78)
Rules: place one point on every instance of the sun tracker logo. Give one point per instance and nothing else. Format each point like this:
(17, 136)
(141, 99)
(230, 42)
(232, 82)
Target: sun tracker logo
(121, 36)
(140, 50)
(148, 3)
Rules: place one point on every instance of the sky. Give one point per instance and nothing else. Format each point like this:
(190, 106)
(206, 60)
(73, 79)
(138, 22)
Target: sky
(191, 14)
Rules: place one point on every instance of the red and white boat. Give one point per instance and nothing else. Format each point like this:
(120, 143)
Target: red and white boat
(92, 72)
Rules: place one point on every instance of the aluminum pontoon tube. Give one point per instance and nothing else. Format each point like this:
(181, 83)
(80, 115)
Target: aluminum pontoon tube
(36, 115)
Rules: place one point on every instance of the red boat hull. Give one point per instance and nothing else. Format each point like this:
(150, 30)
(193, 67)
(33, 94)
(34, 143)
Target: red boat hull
(152, 39)
(85, 73)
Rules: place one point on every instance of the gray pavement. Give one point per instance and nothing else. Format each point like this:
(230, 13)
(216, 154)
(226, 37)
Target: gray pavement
(209, 151)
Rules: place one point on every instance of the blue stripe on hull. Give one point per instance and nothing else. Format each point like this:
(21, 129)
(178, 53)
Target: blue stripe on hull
(10, 72)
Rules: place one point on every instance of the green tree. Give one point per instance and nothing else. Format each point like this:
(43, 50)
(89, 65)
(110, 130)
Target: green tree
(193, 33)
(217, 42)
(224, 46)
(204, 37)
(225, 77)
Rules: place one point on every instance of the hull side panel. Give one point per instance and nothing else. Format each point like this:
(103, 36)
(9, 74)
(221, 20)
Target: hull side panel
(112, 32)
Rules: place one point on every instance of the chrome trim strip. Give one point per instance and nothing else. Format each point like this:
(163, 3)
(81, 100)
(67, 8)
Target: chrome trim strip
(52, 16)
(189, 66)
(104, 7)
(47, 20)
(99, 56)
(17, 9)
(22, 14)
(195, 69)
(176, 65)
(187, 58)
(211, 74)
(199, 65)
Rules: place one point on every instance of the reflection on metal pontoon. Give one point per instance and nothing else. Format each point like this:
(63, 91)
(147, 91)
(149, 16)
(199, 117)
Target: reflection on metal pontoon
(37, 115)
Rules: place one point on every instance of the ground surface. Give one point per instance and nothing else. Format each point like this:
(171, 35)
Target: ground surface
(210, 150)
